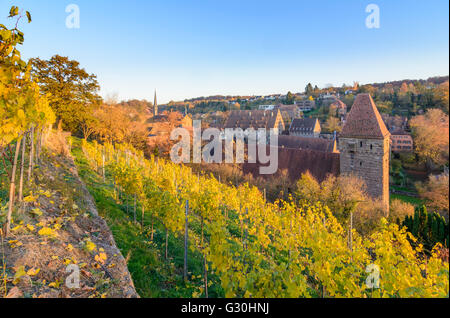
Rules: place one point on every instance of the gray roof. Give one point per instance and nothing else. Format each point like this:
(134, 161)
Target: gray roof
(303, 125)
(252, 119)
(317, 144)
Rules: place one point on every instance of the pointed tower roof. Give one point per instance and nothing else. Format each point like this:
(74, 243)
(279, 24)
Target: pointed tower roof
(155, 106)
(364, 120)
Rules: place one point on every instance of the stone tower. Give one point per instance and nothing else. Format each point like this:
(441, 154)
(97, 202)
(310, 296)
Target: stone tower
(364, 146)
(155, 106)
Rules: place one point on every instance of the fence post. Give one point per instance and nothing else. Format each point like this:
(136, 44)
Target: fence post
(134, 209)
(186, 239)
(350, 234)
(244, 229)
(22, 167)
(12, 188)
(103, 165)
(30, 162)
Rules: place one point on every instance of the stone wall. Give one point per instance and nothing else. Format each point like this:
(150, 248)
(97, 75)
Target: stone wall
(369, 159)
(299, 161)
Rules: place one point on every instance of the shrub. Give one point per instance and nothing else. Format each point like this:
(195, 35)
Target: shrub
(56, 141)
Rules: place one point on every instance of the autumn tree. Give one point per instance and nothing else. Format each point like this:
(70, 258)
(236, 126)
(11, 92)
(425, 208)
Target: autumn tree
(89, 126)
(174, 119)
(367, 89)
(24, 111)
(441, 96)
(308, 188)
(160, 141)
(385, 106)
(404, 88)
(333, 110)
(341, 194)
(74, 92)
(111, 125)
(435, 192)
(117, 124)
(333, 124)
(289, 98)
(399, 210)
(309, 89)
(431, 136)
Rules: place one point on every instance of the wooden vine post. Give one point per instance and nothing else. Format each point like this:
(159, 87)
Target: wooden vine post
(205, 268)
(22, 163)
(134, 209)
(142, 217)
(12, 188)
(30, 162)
(103, 165)
(185, 268)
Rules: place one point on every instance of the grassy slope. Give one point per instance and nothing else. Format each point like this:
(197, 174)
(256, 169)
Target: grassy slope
(152, 275)
(51, 231)
(412, 200)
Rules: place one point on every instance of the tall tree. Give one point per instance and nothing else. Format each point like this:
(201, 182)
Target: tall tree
(289, 98)
(435, 191)
(441, 96)
(309, 89)
(74, 92)
(333, 124)
(431, 136)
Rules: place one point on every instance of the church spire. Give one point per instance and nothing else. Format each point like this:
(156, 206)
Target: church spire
(155, 106)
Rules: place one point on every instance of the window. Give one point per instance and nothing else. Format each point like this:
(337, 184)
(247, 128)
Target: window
(351, 146)
(371, 147)
(360, 144)
(360, 163)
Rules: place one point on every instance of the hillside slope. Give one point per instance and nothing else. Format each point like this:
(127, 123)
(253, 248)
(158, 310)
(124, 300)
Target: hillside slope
(59, 225)
(154, 275)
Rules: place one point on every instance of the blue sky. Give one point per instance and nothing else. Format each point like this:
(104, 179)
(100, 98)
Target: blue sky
(196, 48)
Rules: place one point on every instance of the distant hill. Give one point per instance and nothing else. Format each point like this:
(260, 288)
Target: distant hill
(436, 80)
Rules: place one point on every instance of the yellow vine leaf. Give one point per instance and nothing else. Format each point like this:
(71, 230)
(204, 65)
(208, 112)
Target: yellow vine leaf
(33, 272)
(20, 272)
(46, 231)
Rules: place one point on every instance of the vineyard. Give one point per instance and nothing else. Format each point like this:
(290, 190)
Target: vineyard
(254, 248)
(216, 239)
(24, 113)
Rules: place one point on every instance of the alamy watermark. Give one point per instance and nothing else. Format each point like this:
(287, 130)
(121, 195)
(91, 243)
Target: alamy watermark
(373, 280)
(73, 19)
(262, 147)
(373, 19)
(73, 279)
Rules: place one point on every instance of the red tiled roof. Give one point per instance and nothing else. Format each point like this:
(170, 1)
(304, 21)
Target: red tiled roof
(339, 104)
(317, 144)
(298, 161)
(364, 120)
(400, 132)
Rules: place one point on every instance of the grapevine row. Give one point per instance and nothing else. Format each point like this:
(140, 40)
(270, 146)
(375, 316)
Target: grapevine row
(24, 114)
(261, 249)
